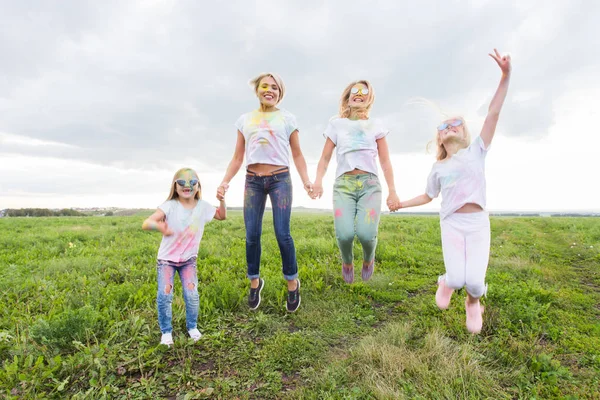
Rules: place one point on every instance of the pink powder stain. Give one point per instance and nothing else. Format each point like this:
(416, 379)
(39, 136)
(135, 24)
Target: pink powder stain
(338, 212)
(371, 216)
(187, 275)
(167, 277)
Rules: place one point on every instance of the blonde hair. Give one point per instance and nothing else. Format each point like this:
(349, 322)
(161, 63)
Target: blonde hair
(173, 193)
(255, 82)
(344, 111)
(441, 152)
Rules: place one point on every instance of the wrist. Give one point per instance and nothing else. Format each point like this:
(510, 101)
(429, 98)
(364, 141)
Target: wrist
(392, 190)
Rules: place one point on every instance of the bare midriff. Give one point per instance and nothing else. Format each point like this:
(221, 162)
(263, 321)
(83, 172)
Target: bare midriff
(265, 169)
(356, 171)
(470, 208)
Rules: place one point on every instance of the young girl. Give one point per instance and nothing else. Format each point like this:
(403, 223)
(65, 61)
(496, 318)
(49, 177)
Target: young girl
(265, 136)
(181, 220)
(357, 191)
(465, 225)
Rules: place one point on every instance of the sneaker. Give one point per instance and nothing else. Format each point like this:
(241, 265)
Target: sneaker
(254, 296)
(367, 271)
(166, 339)
(443, 294)
(348, 273)
(195, 334)
(474, 313)
(293, 298)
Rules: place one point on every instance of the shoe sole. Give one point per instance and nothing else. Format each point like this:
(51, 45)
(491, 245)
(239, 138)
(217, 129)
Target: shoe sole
(299, 300)
(259, 296)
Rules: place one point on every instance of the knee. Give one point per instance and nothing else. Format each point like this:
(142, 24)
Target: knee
(165, 293)
(477, 289)
(366, 236)
(252, 237)
(345, 237)
(454, 282)
(283, 235)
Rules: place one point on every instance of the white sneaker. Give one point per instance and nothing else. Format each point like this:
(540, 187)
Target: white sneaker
(166, 339)
(195, 334)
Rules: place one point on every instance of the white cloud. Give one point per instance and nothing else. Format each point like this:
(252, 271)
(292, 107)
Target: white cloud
(96, 92)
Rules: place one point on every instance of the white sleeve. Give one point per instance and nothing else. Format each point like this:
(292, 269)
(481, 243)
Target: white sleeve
(381, 131)
(166, 207)
(331, 133)
(479, 147)
(208, 212)
(433, 185)
(290, 124)
(239, 124)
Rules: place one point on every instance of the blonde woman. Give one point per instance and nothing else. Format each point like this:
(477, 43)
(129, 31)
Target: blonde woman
(265, 137)
(358, 141)
(459, 174)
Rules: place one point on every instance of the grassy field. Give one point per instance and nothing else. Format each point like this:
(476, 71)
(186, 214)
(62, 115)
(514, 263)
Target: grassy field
(78, 317)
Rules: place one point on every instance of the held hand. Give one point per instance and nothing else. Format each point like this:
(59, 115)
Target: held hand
(221, 190)
(393, 202)
(503, 62)
(317, 191)
(308, 186)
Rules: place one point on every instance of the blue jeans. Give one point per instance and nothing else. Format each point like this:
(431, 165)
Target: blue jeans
(279, 189)
(164, 298)
(356, 210)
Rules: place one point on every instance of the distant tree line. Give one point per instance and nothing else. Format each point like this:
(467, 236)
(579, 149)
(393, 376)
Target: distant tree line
(42, 212)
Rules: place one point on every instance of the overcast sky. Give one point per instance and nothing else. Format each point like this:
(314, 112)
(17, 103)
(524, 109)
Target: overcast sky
(102, 101)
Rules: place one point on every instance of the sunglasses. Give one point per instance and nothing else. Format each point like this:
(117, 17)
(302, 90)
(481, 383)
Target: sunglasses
(182, 182)
(356, 90)
(444, 125)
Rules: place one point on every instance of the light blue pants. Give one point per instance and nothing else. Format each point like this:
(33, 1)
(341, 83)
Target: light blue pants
(164, 298)
(356, 210)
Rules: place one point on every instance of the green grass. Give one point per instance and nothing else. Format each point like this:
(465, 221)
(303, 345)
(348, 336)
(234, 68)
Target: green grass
(78, 317)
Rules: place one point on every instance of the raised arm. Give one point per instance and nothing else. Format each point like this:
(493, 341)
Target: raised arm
(393, 202)
(156, 222)
(322, 168)
(416, 201)
(489, 126)
(234, 165)
(299, 161)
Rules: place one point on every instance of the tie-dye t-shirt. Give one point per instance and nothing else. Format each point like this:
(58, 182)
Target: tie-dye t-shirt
(187, 226)
(356, 143)
(267, 136)
(461, 179)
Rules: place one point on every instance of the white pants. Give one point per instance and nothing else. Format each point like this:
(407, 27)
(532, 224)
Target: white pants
(466, 248)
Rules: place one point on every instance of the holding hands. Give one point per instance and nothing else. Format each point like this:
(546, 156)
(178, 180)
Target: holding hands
(221, 190)
(393, 202)
(317, 190)
(309, 187)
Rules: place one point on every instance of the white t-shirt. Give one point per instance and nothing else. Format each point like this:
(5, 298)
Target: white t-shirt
(461, 178)
(267, 136)
(356, 143)
(187, 226)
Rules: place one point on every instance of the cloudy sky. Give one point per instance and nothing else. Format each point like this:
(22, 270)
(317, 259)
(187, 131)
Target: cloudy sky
(102, 101)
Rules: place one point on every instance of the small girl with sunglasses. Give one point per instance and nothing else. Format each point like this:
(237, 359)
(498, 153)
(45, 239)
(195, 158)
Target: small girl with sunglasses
(459, 174)
(181, 220)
